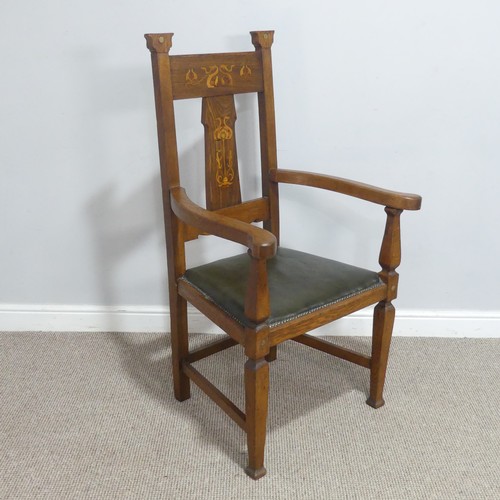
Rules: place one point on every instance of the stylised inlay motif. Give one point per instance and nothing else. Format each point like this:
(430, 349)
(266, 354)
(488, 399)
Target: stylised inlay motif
(224, 153)
(192, 77)
(245, 72)
(216, 76)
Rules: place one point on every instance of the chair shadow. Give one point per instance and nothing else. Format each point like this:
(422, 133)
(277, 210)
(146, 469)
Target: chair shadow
(146, 360)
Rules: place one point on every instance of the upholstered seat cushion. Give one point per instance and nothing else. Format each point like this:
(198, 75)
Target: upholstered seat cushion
(299, 283)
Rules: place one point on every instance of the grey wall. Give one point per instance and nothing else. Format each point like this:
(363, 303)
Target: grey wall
(398, 94)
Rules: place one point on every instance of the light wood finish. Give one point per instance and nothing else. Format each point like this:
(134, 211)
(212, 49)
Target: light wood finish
(248, 211)
(222, 179)
(180, 345)
(257, 308)
(383, 317)
(335, 350)
(167, 144)
(325, 315)
(404, 201)
(212, 311)
(256, 403)
(261, 243)
(213, 348)
(390, 252)
(217, 396)
(383, 321)
(216, 78)
(262, 41)
(209, 75)
(273, 354)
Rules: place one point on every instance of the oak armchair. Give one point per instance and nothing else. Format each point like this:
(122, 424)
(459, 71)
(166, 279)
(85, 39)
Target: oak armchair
(269, 294)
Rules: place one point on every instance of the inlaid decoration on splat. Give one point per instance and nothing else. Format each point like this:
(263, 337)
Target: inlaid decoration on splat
(216, 75)
(221, 176)
(223, 154)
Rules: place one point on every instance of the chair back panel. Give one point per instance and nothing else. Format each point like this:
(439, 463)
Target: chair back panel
(215, 78)
(222, 181)
(208, 75)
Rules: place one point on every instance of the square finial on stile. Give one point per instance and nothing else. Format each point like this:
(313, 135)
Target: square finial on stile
(262, 39)
(159, 42)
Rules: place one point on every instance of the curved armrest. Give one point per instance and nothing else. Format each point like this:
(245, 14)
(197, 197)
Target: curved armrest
(262, 243)
(393, 199)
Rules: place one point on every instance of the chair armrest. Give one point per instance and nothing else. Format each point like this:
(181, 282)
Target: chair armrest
(262, 243)
(402, 201)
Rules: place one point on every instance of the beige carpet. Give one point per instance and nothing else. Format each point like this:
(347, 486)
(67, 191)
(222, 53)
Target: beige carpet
(89, 415)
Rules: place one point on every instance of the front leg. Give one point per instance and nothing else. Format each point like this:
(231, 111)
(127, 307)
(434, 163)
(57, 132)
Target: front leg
(383, 316)
(383, 321)
(256, 402)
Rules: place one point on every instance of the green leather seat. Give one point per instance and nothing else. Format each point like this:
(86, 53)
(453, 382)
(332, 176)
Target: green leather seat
(299, 283)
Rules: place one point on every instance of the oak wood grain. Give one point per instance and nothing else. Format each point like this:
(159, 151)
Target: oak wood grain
(248, 211)
(208, 350)
(222, 179)
(257, 308)
(260, 242)
(334, 350)
(383, 322)
(256, 405)
(212, 311)
(215, 395)
(404, 201)
(325, 315)
(176, 263)
(206, 75)
(216, 78)
(390, 252)
(262, 41)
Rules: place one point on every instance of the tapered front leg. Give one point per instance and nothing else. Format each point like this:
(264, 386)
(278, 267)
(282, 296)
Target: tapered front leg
(256, 401)
(180, 346)
(383, 321)
(257, 349)
(383, 316)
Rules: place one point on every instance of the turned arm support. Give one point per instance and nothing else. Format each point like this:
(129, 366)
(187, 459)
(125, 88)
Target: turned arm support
(395, 203)
(390, 252)
(402, 201)
(261, 243)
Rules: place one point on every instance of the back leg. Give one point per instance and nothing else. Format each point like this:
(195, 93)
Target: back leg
(180, 346)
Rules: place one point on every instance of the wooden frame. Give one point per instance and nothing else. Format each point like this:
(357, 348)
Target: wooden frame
(216, 78)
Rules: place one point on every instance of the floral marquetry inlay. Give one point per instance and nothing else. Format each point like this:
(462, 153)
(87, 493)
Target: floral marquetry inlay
(245, 71)
(223, 153)
(216, 75)
(222, 181)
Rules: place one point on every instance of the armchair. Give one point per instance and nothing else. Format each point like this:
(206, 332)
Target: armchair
(269, 294)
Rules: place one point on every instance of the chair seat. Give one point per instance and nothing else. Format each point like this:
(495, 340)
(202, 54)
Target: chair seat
(299, 283)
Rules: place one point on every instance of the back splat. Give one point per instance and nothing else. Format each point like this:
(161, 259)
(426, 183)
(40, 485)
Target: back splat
(222, 183)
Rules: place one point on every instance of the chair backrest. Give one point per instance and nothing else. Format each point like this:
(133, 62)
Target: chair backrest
(215, 78)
